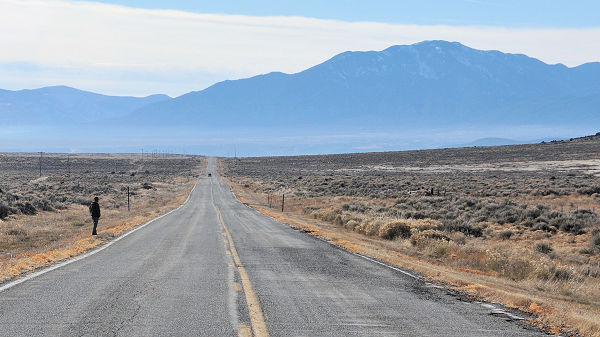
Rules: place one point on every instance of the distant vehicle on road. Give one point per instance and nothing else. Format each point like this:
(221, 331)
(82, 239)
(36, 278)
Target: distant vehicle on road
(210, 174)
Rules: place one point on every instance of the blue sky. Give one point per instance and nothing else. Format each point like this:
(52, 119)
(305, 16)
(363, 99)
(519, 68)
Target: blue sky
(509, 13)
(138, 48)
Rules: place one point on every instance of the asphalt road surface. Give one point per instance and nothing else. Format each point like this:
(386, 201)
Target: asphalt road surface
(215, 267)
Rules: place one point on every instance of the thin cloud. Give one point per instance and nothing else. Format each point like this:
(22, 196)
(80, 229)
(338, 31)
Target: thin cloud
(96, 37)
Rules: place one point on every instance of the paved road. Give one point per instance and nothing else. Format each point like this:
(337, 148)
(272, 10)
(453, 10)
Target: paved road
(214, 267)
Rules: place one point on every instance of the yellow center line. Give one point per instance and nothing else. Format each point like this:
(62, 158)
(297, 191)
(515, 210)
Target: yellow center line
(257, 319)
(244, 331)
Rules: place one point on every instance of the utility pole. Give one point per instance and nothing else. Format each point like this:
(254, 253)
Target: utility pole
(282, 202)
(41, 163)
(127, 198)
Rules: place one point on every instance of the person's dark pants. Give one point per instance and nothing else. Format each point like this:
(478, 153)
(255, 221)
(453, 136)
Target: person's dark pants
(95, 225)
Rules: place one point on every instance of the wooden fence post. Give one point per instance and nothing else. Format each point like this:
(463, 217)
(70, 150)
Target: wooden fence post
(41, 153)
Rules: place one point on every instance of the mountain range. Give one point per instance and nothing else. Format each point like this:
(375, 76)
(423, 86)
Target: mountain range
(404, 89)
(61, 104)
(428, 84)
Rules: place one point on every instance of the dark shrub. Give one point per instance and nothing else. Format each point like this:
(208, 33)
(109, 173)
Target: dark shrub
(543, 248)
(394, 229)
(594, 246)
(27, 208)
(544, 227)
(573, 223)
(508, 216)
(554, 273)
(596, 241)
(572, 227)
(4, 211)
(44, 205)
(470, 203)
(518, 269)
(587, 251)
(589, 190)
(465, 228)
(533, 213)
(562, 274)
(506, 235)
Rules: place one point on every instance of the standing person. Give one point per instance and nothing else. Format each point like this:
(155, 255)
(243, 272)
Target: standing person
(95, 213)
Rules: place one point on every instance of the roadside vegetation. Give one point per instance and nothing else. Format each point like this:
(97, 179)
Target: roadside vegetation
(45, 218)
(526, 215)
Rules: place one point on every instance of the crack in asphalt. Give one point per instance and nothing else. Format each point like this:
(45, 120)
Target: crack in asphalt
(127, 320)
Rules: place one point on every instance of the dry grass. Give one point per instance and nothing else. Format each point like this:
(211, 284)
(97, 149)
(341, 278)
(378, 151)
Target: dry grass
(527, 238)
(30, 241)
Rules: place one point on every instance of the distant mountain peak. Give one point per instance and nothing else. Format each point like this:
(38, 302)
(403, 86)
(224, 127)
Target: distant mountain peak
(440, 43)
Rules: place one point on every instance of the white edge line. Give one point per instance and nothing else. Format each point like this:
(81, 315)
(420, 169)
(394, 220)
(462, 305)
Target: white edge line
(81, 257)
(384, 264)
(499, 311)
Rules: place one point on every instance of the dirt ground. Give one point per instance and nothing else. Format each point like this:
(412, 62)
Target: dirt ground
(513, 224)
(45, 218)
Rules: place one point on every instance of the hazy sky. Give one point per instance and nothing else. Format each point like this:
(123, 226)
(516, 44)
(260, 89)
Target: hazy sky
(510, 13)
(174, 47)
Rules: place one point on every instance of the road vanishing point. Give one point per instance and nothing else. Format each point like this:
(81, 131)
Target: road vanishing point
(215, 267)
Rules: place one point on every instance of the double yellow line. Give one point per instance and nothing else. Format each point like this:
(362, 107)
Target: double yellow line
(259, 328)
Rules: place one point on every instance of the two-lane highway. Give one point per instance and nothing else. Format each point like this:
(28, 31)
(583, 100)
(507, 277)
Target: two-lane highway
(215, 267)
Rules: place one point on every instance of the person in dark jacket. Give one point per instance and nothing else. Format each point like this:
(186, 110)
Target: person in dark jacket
(95, 213)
